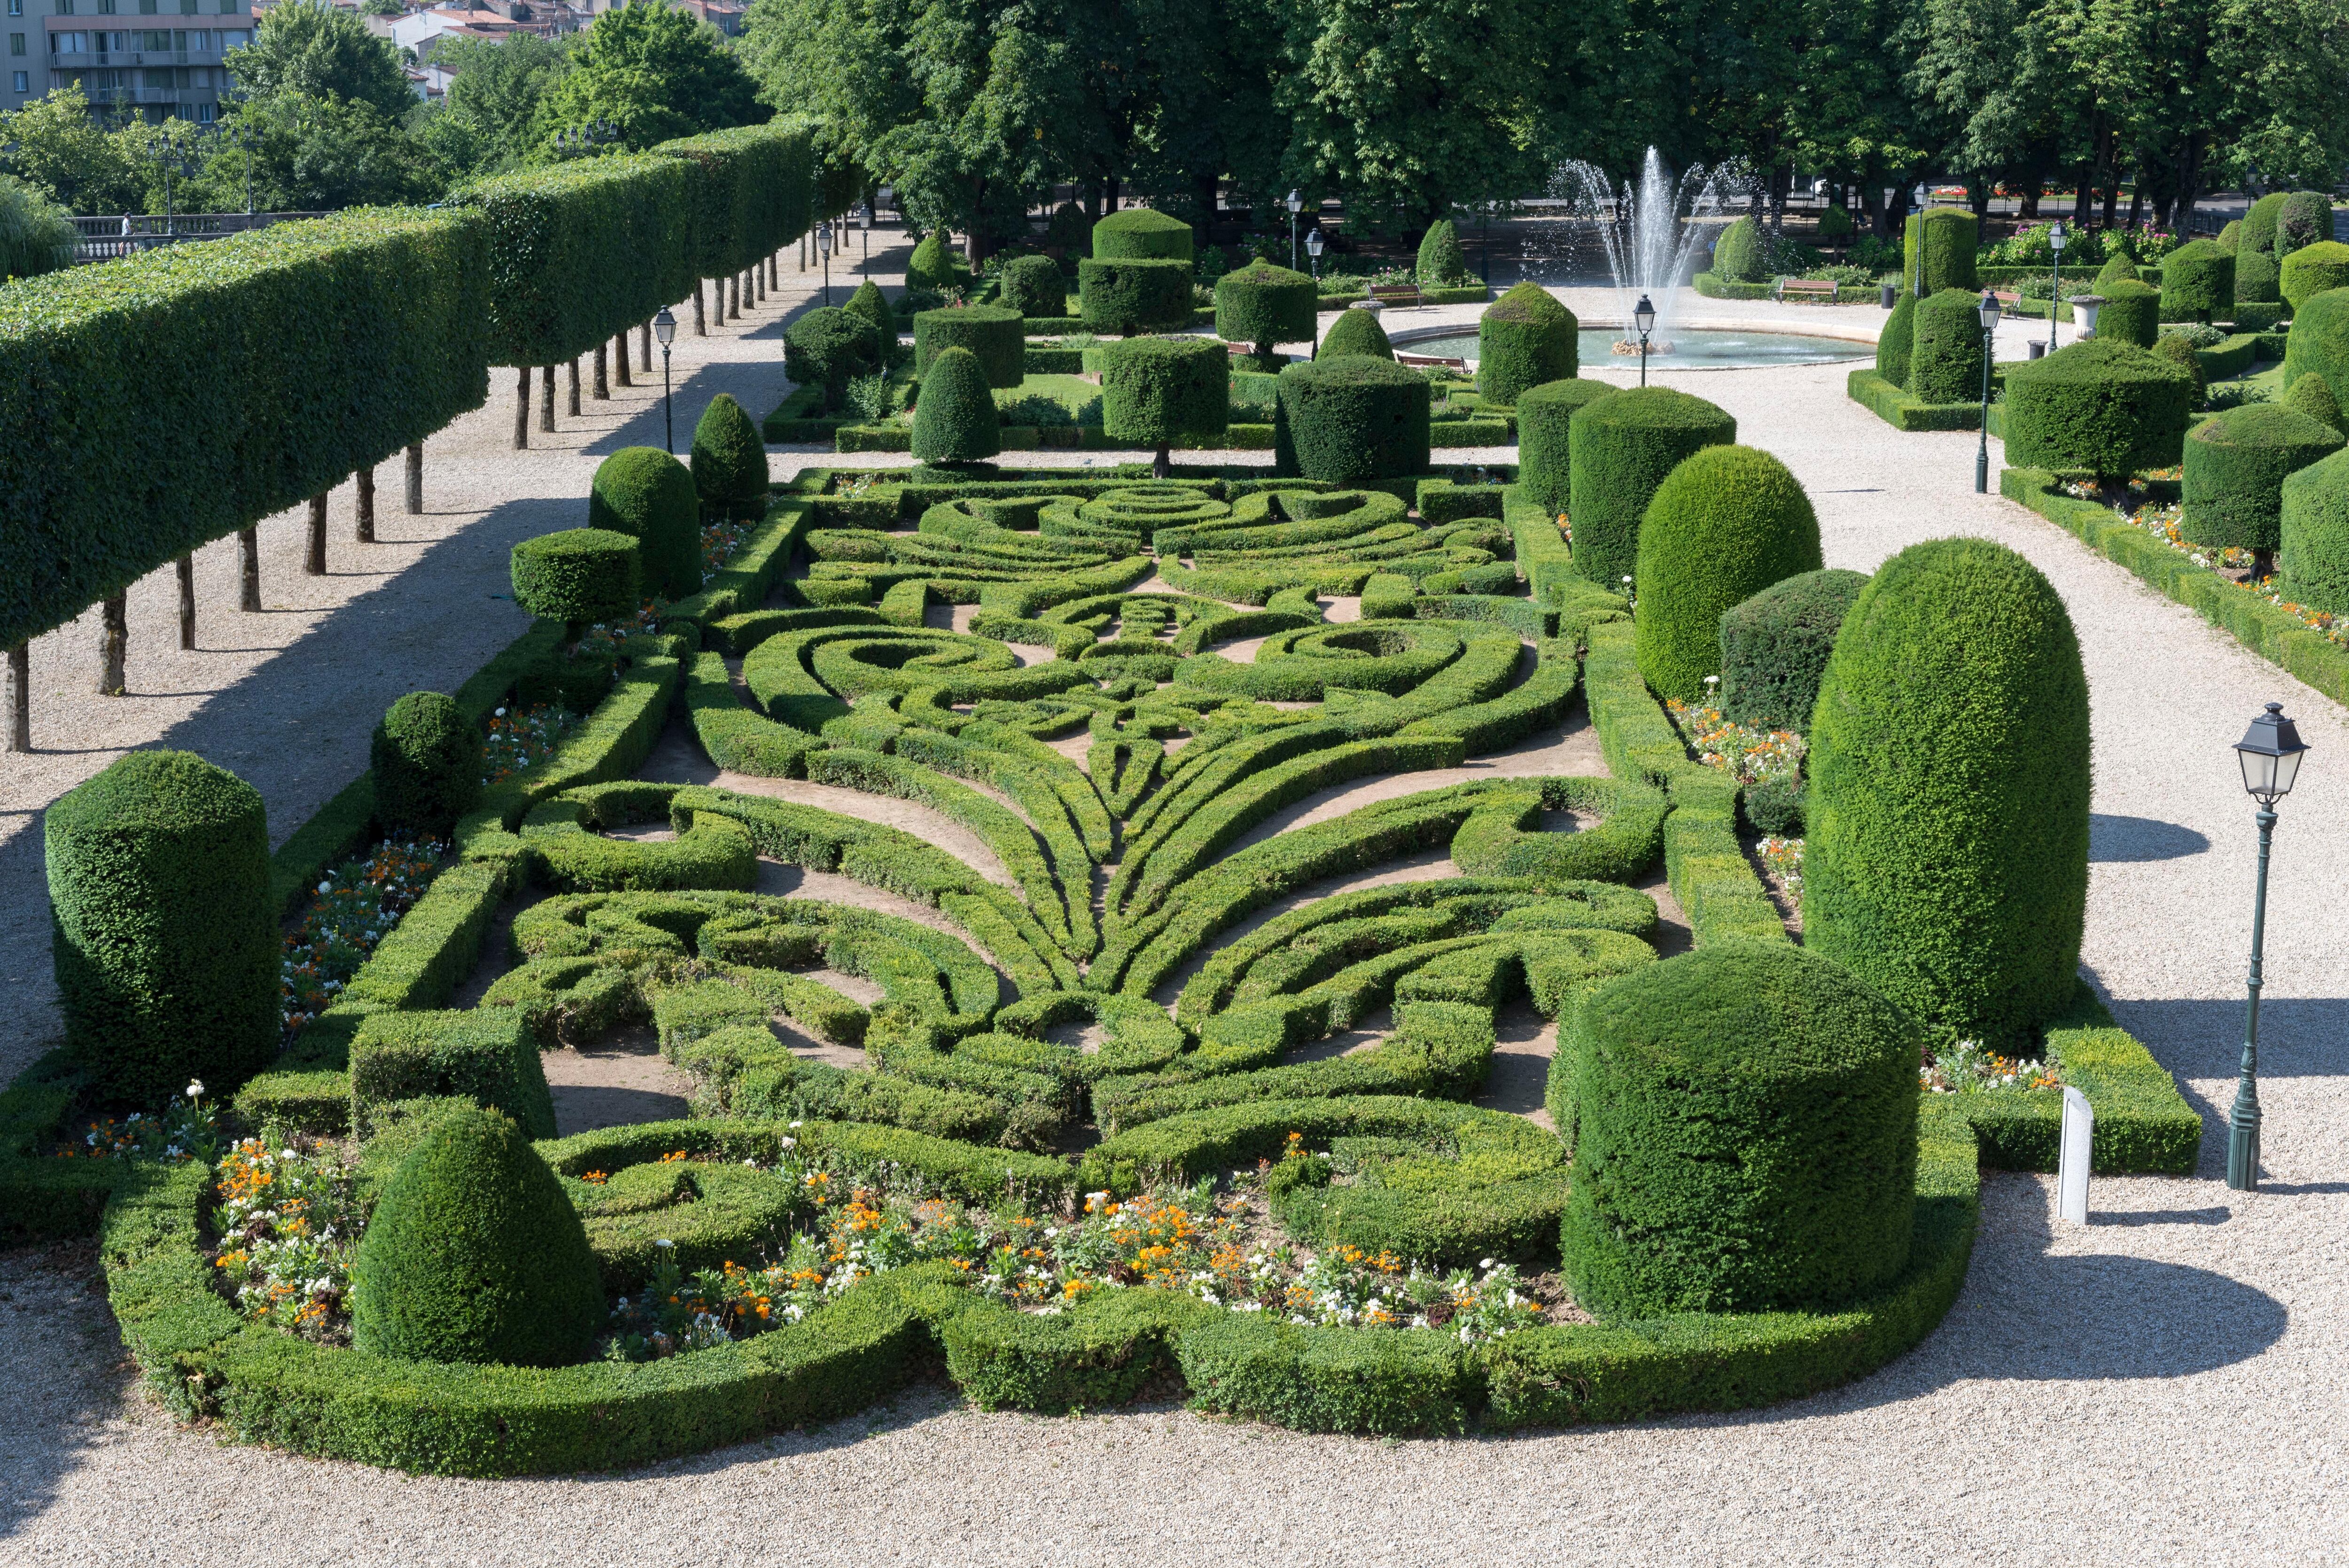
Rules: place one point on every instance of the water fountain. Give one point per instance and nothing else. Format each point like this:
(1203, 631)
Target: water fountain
(1650, 233)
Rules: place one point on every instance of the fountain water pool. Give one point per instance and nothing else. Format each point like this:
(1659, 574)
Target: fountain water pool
(1692, 349)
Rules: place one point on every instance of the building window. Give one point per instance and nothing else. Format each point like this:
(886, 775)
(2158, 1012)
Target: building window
(106, 7)
(22, 86)
(15, 7)
(16, 42)
(65, 8)
(188, 6)
(230, 7)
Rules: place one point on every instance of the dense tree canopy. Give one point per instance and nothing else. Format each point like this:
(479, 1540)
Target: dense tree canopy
(655, 73)
(309, 48)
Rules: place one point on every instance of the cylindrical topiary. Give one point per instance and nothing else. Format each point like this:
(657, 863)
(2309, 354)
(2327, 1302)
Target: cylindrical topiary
(992, 332)
(2259, 224)
(1725, 524)
(425, 764)
(2131, 313)
(579, 576)
(1070, 230)
(2312, 397)
(2313, 270)
(730, 460)
(2198, 282)
(2236, 463)
(1129, 295)
(1035, 285)
(871, 304)
(1622, 448)
(162, 937)
(1775, 647)
(2306, 219)
(1895, 346)
(2257, 279)
(1442, 263)
(2314, 552)
(475, 1256)
(1157, 391)
(1947, 366)
(1743, 1136)
(953, 417)
(2318, 343)
(647, 494)
(932, 267)
(1737, 254)
(2178, 350)
(1139, 233)
(1947, 857)
(1266, 305)
(1946, 240)
(2107, 406)
(1525, 339)
(1350, 418)
(1355, 332)
(1544, 422)
(831, 345)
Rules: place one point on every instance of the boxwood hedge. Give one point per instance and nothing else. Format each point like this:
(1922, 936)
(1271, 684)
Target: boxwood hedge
(1351, 419)
(991, 333)
(1525, 339)
(2103, 405)
(1622, 448)
(2236, 464)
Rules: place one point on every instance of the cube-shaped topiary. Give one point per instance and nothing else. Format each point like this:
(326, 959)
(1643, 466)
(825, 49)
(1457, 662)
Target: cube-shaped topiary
(1356, 330)
(1726, 523)
(1544, 422)
(1266, 305)
(475, 1256)
(1070, 230)
(2260, 224)
(1035, 285)
(1353, 418)
(933, 265)
(487, 1054)
(1946, 238)
(2318, 343)
(2312, 397)
(2104, 406)
(2198, 282)
(992, 332)
(730, 460)
(870, 303)
(953, 417)
(579, 576)
(1947, 857)
(2306, 219)
(1525, 339)
(832, 344)
(426, 763)
(644, 492)
(1743, 1125)
(1142, 233)
(2131, 313)
(1622, 448)
(1775, 647)
(2236, 463)
(1895, 346)
(1159, 390)
(2257, 279)
(1947, 365)
(2313, 270)
(162, 937)
(1130, 295)
(1737, 254)
(1440, 263)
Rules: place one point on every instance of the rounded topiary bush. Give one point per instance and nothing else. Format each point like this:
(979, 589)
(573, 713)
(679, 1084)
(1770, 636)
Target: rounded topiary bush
(2312, 397)
(1895, 346)
(1622, 448)
(2318, 343)
(1745, 1136)
(1947, 365)
(1353, 418)
(1737, 254)
(1127, 295)
(2178, 350)
(1355, 332)
(1775, 647)
(730, 460)
(1725, 524)
(426, 763)
(954, 418)
(1441, 262)
(2260, 224)
(2118, 268)
(992, 332)
(2257, 279)
(579, 576)
(1525, 339)
(1947, 853)
(162, 937)
(2230, 234)
(2107, 406)
(1947, 237)
(2306, 219)
(1545, 450)
(2198, 282)
(1266, 305)
(2314, 270)
(871, 304)
(2236, 463)
(1035, 285)
(475, 1254)
(932, 267)
(647, 494)
(2314, 550)
(1157, 391)
(1142, 233)
(831, 345)
(2131, 313)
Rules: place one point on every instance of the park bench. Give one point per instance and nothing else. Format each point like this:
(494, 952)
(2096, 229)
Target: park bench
(1397, 293)
(2010, 301)
(1429, 361)
(1803, 288)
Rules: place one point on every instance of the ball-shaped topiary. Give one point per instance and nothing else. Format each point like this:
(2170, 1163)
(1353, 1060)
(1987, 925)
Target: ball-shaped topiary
(1545, 453)
(1895, 346)
(831, 346)
(1947, 237)
(2313, 270)
(579, 576)
(1138, 234)
(2318, 343)
(2198, 282)
(1070, 230)
(954, 418)
(870, 303)
(1775, 647)
(1947, 365)
(730, 460)
(1356, 331)
(2178, 350)
(1744, 1133)
(1266, 305)
(647, 494)
(426, 763)
(2312, 397)
(2314, 552)
(1353, 418)
(2258, 280)
(1725, 524)
(2260, 224)
(2230, 234)
(2118, 268)
(1737, 254)
(1441, 262)
(2131, 313)
(992, 332)
(933, 265)
(1947, 857)
(162, 937)
(1159, 390)
(1525, 339)
(2306, 219)
(1129, 295)
(2236, 463)
(1035, 285)
(1620, 449)
(475, 1256)
(2107, 406)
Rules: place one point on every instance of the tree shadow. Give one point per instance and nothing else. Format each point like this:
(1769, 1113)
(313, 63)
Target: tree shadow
(2120, 840)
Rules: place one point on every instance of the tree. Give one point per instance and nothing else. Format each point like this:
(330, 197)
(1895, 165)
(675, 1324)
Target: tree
(36, 233)
(308, 48)
(655, 73)
(484, 124)
(62, 148)
(316, 154)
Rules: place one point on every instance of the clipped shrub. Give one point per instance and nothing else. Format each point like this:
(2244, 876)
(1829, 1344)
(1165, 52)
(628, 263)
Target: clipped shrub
(647, 494)
(933, 264)
(2178, 350)
(992, 332)
(1737, 254)
(2198, 282)
(1895, 346)
(955, 419)
(2230, 234)
(2318, 343)
(2259, 224)
(2315, 527)
(2312, 397)
(1834, 224)
(1622, 448)
(162, 937)
(1266, 305)
(1157, 391)
(2131, 313)
(475, 1256)
(831, 346)
(1775, 647)
(2257, 279)
(1947, 237)
(1545, 453)
(1726, 523)
(870, 303)
(426, 760)
(1442, 263)
(488, 1055)
(2236, 463)
(2313, 270)
(730, 460)
(1947, 855)
(1356, 332)
(1525, 339)
(1129, 295)
(579, 576)
(2107, 406)
(1352, 417)
(1947, 365)
(1138, 234)
(1035, 285)
(1070, 231)
(2306, 219)
(2118, 268)
(1744, 1135)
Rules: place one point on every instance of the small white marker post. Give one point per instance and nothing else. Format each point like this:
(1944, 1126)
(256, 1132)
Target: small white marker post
(2076, 1153)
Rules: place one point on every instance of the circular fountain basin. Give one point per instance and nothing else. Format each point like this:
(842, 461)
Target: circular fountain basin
(1692, 349)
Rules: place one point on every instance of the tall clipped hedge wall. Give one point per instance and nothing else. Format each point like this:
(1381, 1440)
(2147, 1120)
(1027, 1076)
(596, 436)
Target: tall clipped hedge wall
(1942, 245)
(2236, 464)
(1946, 365)
(990, 331)
(1544, 424)
(750, 194)
(2105, 405)
(2319, 343)
(2198, 282)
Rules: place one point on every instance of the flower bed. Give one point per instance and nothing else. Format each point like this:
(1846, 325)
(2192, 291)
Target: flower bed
(2161, 520)
(519, 739)
(353, 909)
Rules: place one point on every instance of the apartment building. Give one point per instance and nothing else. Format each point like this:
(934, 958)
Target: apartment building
(157, 58)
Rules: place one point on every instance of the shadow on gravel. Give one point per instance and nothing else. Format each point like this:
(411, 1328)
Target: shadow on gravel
(2114, 840)
(65, 1369)
(2300, 1036)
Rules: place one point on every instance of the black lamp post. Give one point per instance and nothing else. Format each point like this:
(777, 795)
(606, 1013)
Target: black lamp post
(1643, 318)
(2055, 241)
(1989, 310)
(664, 328)
(2269, 752)
(823, 248)
(1313, 244)
(1296, 205)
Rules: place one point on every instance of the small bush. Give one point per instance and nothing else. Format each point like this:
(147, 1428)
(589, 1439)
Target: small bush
(1266, 305)
(486, 1055)
(1947, 366)
(2257, 279)
(578, 576)
(2306, 219)
(2104, 406)
(2319, 343)
(647, 494)
(1775, 647)
(2259, 224)
(1622, 448)
(832, 344)
(2198, 282)
(1070, 231)
(37, 235)
(730, 460)
(1834, 224)
(1157, 391)
(426, 759)
(1442, 263)
(932, 266)
(2314, 554)
(870, 303)
(2312, 397)
(992, 332)
(1525, 339)
(2313, 270)
(1356, 332)
(1350, 418)
(1774, 805)
(2230, 234)
(2131, 313)
(1737, 254)
(1035, 285)
(1138, 234)
(2236, 463)
(955, 419)
(2118, 268)
(1726, 523)
(1896, 344)
(1125, 296)
(1545, 452)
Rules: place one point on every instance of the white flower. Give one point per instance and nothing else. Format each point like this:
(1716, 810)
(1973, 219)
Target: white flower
(787, 1143)
(501, 713)
(195, 1088)
(1486, 1264)
(326, 887)
(665, 1242)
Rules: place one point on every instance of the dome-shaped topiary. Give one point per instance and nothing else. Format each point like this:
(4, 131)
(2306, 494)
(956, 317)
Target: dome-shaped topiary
(2318, 343)
(2118, 268)
(2313, 270)
(993, 333)
(1737, 254)
(1744, 1127)
(1896, 344)
(2131, 313)
(163, 934)
(1157, 391)
(644, 492)
(955, 419)
(579, 576)
(426, 760)
(2107, 406)
(2315, 529)
(831, 346)
(933, 265)
(2236, 463)
(1353, 418)
(1947, 857)
(2230, 234)
(2312, 397)
(730, 460)
(1440, 263)
(475, 1254)
(1355, 332)
(1138, 234)
(1946, 240)
(2306, 219)
(2198, 282)
(1035, 285)
(1775, 647)
(2258, 280)
(1070, 230)
(2260, 224)
(871, 304)
(1947, 365)
(1725, 524)
(1525, 339)
(1266, 305)
(1123, 295)
(1545, 425)
(2178, 350)
(1622, 448)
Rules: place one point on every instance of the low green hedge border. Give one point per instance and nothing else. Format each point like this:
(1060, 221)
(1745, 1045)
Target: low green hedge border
(1896, 407)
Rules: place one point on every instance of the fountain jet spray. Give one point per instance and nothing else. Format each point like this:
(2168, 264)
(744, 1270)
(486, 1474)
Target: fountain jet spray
(1650, 231)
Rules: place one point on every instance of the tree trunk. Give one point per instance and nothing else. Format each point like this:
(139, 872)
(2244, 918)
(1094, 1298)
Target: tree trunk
(1161, 465)
(2081, 198)
(1109, 194)
(570, 386)
(20, 697)
(699, 330)
(2136, 201)
(365, 482)
(645, 347)
(113, 643)
(734, 297)
(521, 407)
(546, 397)
(803, 243)
(603, 385)
(185, 570)
(313, 563)
(248, 569)
(766, 284)
(620, 357)
(415, 479)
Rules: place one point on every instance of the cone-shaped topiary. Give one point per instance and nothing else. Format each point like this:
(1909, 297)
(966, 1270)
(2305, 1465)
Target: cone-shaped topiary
(1737, 254)
(992, 331)
(2257, 279)
(2306, 219)
(2178, 350)
(730, 460)
(644, 492)
(1525, 339)
(1834, 224)
(1724, 525)
(1947, 860)
(1895, 346)
(1157, 391)
(2312, 397)
(2314, 555)
(579, 576)
(933, 264)
(1946, 240)
(1544, 423)
(1128, 295)
(2117, 269)
(2198, 282)
(2319, 343)
(1947, 365)
(426, 760)
(1142, 233)
(1351, 419)
(1035, 285)
(476, 1256)
(870, 303)
(2313, 270)
(1622, 446)
(1442, 263)
(2236, 463)
(1355, 332)
(2131, 313)
(2260, 224)
(831, 346)
(954, 418)
(1743, 1125)
(1266, 305)
(1070, 230)
(2107, 406)
(1775, 647)
(163, 934)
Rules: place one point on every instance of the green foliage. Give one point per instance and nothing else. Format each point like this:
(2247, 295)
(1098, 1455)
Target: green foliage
(1896, 344)
(2131, 313)
(426, 761)
(65, 149)
(2312, 269)
(747, 190)
(1947, 860)
(1157, 391)
(1622, 448)
(313, 154)
(1774, 648)
(2306, 219)
(657, 73)
(1125, 296)
(486, 121)
(1726, 523)
(2198, 282)
(2118, 268)
(2178, 350)
(37, 235)
(1351, 419)
(730, 460)
(1035, 285)
(2260, 221)
(955, 419)
(483, 1054)
(1947, 238)
(1737, 254)
(991, 333)
(832, 344)
(2257, 279)
(1356, 332)
(1834, 224)
(648, 495)
(2230, 235)
(164, 937)
(2103, 405)
(1068, 230)
(1136, 233)
(1264, 304)
(2236, 463)
(2315, 556)
(1441, 262)
(870, 303)
(1947, 364)
(1525, 339)
(933, 265)
(475, 1254)
(2309, 396)
(2318, 343)
(579, 576)
(1545, 452)
(306, 49)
